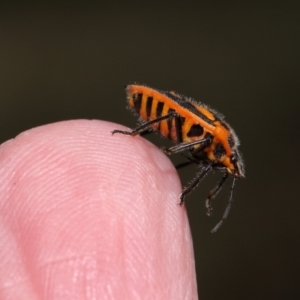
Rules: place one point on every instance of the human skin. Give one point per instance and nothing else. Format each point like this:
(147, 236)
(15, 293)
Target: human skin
(85, 214)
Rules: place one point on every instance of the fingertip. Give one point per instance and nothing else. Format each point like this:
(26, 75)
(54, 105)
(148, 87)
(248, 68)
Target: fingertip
(75, 190)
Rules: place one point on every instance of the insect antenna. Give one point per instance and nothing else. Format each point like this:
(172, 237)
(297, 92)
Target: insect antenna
(226, 212)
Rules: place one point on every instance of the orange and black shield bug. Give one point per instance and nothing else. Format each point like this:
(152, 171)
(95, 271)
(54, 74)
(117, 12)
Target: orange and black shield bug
(209, 140)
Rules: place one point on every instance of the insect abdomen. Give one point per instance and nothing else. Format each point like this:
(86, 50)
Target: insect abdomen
(149, 107)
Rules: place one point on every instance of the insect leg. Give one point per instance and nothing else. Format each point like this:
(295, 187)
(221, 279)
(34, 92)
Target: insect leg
(191, 160)
(145, 127)
(211, 195)
(184, 164)
(184, 146)
(146, 132)
(226, 212)
(194, 183)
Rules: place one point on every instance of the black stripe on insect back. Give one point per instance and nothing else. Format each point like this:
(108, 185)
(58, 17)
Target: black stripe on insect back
(178, 128)
(188, 105)
(149, 106)
(137, 101)
(159, 109)
(195, 130)
(170, 121)
(180, 122)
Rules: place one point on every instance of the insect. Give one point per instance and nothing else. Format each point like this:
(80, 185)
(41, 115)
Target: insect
(210, 141)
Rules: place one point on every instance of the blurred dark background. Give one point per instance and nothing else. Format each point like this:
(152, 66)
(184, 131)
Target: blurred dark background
(69, 61)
